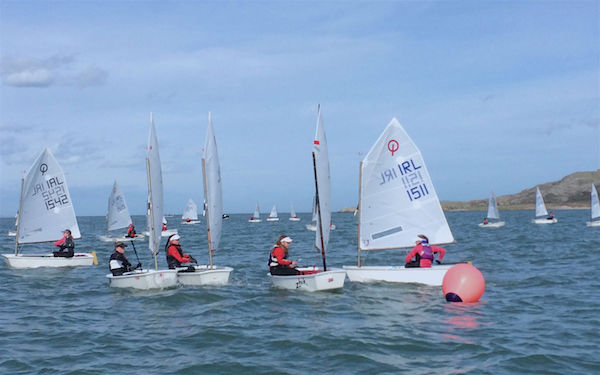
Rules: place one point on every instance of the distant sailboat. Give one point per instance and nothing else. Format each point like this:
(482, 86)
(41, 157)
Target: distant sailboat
(45, 211)
(117, 217)
(314, 278)
(211, 175)
(541, 214)
(312, 226)
(293, 216)
(190, 214)
(397, 202)
(493, 215)
(273, 215)
(150, 278)
(255, 218)
(595, 209)
(13, 233)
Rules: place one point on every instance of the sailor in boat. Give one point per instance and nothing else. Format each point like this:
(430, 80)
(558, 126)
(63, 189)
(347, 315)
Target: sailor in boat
(66, 245)
(164, 227)
(131, 230)
(175, 256)
(485, 221)
(550, 216)
(188, 220)
(278, 258)
(118, 263)
(423, 253)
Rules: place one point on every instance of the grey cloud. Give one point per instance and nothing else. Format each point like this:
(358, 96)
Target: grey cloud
(54, 70)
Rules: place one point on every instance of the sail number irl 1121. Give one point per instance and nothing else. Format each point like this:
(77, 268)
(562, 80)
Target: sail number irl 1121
(411, 177)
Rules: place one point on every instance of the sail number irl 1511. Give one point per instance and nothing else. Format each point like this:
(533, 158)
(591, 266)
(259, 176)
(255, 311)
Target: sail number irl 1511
(410, 175)
(53, 193)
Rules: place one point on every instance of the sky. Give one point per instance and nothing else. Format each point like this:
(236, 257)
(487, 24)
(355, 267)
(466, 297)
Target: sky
(497, 95)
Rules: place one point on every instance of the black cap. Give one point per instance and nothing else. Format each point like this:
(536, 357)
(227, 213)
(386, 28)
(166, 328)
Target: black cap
(120, 244)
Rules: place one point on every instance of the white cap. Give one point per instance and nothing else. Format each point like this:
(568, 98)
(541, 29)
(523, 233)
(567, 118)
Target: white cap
(175, 237)
(286, 239)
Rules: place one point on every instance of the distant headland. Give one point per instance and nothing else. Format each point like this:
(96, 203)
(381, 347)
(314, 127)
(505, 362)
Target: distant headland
(570, 192)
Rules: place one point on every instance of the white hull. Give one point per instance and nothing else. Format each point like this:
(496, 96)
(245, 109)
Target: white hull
(164, 233)
(254, 220)
(495, 224)
(313, 227)
(205, 276)
(190, 222)
(12, 234)
(272, 219)
(398, 274)
(332, 279)
(145, 279)
(544, 221)
(21, 261)
(121, 238)
(294, 219)
(593, 223)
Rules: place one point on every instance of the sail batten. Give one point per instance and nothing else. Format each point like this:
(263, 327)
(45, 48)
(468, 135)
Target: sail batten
(46, 208)
(397, 198)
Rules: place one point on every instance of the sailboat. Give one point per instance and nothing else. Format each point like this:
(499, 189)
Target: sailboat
(255, 218)
(541, 214)
(273, 215)
(118, 216)
(595, 209)
(293, 216)
(163, 233)
(45, 211)
(150, 278)
(313, 278)
(13, 233)
(312, 226)
(190, 214)
(493, 215)
(211, 175)
(397, 202)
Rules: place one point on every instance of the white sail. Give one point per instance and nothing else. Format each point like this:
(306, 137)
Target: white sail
(292, 211)
(397, 198)
(155, 190)
(493, 212)
(595, 204)
(256, 214)
(212, 192)
(540, 207)
(191, 211)
(323, 181)
(273, 212)
(118, 215)
(46, 209)
(314, 210)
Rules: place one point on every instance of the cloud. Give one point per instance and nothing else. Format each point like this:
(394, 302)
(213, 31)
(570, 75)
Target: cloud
(46, 72)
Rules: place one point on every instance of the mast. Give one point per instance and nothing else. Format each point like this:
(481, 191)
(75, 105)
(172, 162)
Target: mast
(19, 218)
(151, 208)
(359, 212)
(320, 223)
(210, 249)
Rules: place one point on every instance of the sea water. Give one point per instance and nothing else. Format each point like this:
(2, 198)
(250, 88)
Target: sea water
(539, 313)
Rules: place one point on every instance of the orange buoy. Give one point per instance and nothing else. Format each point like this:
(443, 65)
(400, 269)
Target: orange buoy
(463, 283)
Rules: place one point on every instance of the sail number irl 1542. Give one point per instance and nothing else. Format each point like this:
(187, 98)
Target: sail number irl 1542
(53, 193)
(411, 177)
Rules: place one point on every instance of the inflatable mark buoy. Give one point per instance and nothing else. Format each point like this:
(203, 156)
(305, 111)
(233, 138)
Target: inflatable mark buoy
(463, 283)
